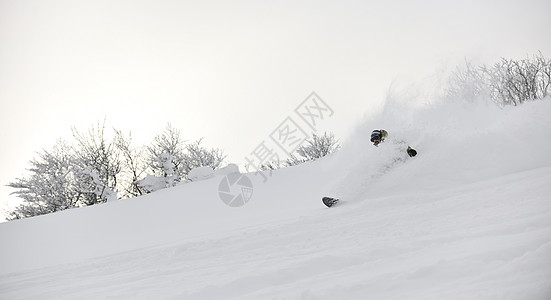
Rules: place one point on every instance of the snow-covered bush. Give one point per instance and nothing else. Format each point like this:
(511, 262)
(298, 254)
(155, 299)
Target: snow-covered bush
(50, 187)
(134, 165)
(316, 147)
(95, 169)
(274, 165)
(200, 173)
(166, 155)
(151, 183)
(227, 170)
(198, 156)
(171, 159)
(507, 82)
(93, 188)
(96, 165)
(68, 176)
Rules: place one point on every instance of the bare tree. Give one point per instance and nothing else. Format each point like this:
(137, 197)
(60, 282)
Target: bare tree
(69, 176)
(94, 169)
(508, 82)
(543, 77)
(198, 156)
(468, 83)
(167, 148)
(97, 165)
(133, 165)
(171, 159)
(274, 165)
(316, 147)
(517, 81)
(319, 146)
(166, 156)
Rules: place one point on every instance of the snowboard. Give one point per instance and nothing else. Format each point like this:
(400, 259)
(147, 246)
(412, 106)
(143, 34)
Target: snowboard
(328, 201)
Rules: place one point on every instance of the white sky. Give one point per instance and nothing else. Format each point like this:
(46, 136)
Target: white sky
(230, 71)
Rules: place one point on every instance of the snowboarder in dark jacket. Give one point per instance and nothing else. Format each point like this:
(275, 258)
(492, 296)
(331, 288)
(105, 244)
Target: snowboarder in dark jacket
(379, 135)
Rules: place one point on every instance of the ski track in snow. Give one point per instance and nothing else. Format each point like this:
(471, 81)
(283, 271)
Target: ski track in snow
(447, 224)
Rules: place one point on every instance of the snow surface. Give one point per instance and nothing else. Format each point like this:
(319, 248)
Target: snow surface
(200, 173)
(468, 218)
(227, 170)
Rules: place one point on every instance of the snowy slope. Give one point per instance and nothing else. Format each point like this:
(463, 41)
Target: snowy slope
(468, 218)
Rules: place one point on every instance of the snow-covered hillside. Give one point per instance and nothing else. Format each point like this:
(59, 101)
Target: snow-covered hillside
(468, 218)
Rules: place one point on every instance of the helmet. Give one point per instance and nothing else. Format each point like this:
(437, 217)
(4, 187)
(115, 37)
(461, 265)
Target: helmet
(378, 136)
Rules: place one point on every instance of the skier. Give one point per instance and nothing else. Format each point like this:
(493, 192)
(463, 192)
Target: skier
(379, 135)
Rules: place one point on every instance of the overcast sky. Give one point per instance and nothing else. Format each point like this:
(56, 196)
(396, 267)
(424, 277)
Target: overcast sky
(230, 71)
